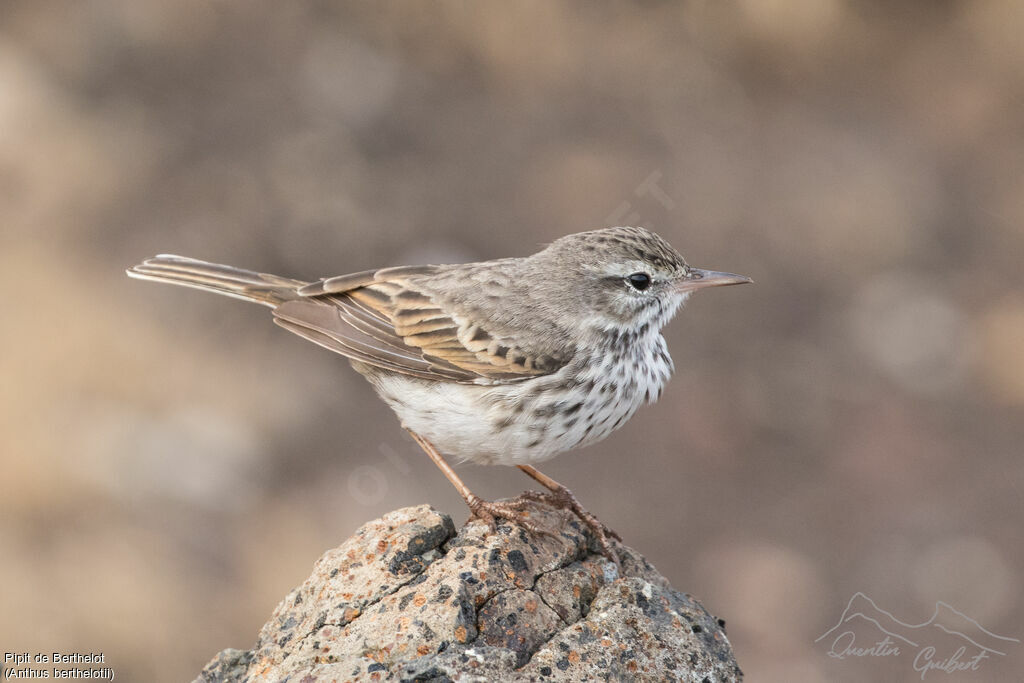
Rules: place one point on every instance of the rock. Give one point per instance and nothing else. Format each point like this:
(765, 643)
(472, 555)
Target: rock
(406, 598)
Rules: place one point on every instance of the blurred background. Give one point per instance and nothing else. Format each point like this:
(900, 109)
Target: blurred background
(172, 463)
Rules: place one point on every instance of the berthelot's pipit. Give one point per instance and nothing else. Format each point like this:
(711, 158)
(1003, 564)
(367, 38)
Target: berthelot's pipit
(504, 362)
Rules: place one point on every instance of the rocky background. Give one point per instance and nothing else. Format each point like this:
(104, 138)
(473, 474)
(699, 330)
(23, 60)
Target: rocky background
(172, 463)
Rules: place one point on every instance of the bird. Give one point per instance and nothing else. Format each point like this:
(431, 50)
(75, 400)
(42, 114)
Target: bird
(503, 362)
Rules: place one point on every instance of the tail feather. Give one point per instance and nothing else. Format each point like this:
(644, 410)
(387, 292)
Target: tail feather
(269, 290)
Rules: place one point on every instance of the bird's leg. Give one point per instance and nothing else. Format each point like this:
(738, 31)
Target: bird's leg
(562, 498)
(485, 511)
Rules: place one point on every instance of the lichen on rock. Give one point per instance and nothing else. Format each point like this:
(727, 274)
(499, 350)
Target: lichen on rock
(407, 598)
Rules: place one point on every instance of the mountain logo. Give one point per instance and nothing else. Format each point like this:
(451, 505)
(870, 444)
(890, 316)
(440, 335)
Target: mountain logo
(948, 642)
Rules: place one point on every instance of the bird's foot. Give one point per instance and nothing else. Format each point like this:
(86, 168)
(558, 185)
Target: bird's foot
(563, 499)
(512, 510)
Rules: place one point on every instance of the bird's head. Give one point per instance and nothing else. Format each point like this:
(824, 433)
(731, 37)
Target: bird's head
(626, 279)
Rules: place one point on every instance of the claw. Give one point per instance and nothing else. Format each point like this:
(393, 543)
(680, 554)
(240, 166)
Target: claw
(490, 512)
(560, 499)
(563, 499)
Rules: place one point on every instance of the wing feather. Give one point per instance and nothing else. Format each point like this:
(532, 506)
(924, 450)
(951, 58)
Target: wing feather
(324, 324)
(383, 318)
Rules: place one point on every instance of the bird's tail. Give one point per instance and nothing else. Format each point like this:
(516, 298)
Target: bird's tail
(269, 290)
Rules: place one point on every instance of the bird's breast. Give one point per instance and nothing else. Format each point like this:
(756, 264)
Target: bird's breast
(622, 380)
(536, 419)
(582, 403)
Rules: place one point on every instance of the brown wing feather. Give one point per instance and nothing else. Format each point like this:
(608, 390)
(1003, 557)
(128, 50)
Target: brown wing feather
(383, 319)
(422, 323)
(327, 325)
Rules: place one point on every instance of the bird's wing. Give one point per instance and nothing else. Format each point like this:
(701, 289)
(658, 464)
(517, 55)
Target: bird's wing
(384, 319)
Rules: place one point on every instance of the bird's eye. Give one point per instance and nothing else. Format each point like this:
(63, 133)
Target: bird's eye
(640, 281)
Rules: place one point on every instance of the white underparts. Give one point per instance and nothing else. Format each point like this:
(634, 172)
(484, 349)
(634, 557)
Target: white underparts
(533, 420)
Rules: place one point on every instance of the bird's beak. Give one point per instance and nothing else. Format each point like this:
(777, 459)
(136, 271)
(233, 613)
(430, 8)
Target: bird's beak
(698, 279)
